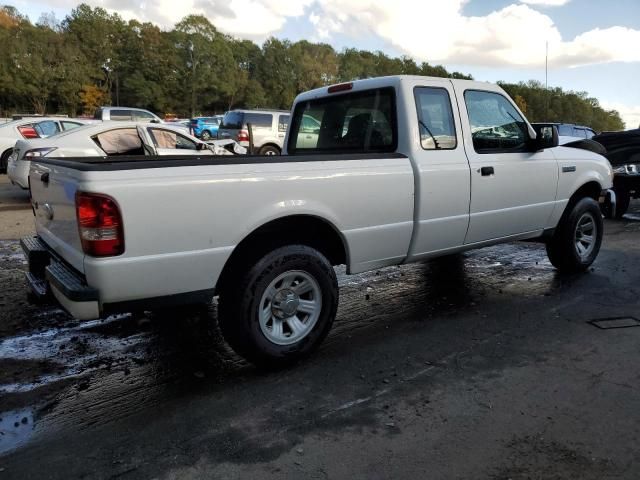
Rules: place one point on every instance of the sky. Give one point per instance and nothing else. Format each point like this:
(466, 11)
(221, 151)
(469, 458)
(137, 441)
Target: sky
(593, 45)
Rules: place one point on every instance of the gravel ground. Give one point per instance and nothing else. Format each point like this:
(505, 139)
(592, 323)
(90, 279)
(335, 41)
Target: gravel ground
(479, 366)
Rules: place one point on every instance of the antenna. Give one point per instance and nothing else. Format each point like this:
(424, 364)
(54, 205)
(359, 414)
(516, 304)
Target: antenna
(546, 79)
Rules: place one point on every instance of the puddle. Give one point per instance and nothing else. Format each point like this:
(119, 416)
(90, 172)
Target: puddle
(10, 251)
(16, 428)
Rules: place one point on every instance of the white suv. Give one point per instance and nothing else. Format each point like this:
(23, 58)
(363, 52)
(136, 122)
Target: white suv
(269, 128)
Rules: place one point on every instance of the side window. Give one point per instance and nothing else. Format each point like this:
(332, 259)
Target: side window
(120, 115)
(259, 120)
(496, 126)
(283, 123)
(435, 118)
(579, 132)
(357, 122)
(70, 125)
(565, 130)
(47, 128)
(142, 116)
(122, 141)
(168, 139)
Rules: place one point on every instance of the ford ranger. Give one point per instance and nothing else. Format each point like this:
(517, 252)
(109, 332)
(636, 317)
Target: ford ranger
(377, 172)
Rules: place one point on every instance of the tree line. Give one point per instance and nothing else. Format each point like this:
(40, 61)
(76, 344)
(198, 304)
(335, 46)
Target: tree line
(93, 58)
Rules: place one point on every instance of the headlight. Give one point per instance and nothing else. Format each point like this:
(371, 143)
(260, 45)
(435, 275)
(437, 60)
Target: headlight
(38, 152)
(620, 169)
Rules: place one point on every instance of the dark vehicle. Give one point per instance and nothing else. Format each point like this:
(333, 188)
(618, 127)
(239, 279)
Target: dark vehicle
(623, 152)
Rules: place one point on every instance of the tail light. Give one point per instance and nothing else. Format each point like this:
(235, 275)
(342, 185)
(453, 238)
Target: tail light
(99, 224)
(27, 131)
(243, 136)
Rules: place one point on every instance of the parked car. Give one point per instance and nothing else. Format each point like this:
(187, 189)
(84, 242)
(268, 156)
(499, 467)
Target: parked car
(568, 132)
(126, 114)
(31, 127)
(269, 128)
(205, 128)
(623, 151)
(104, 140)
(406, 180)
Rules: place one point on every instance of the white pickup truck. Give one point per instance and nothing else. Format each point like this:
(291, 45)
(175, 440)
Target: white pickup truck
(377, 172)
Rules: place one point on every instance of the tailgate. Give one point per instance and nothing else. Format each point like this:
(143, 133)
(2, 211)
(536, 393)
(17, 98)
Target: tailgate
(53, 190)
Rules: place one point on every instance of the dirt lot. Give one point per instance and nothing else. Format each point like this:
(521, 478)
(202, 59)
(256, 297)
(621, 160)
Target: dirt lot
(482, 366)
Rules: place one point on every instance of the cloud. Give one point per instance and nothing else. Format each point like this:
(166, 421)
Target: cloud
(630, 113)
(546, 3)
(437, 31)
(429, 30)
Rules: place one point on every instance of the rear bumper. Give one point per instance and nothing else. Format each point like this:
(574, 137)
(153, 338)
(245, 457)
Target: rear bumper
(49, 275)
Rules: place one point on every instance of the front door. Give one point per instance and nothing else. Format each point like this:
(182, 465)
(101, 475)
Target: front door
(513, 189)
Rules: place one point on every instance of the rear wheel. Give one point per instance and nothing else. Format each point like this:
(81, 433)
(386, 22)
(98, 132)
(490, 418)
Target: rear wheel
(4, 160)
(205, 135)
(576, 242)
(269, 150)
(281, 308)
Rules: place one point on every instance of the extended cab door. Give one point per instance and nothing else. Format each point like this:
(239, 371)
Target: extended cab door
(513, 189)
(442, 177)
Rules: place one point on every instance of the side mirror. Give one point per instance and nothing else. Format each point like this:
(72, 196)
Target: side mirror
(155, 120)
(201, 146)
(546, 137)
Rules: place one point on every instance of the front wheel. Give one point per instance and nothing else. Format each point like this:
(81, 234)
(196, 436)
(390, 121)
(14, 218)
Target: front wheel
(205, 135)
(577, 239)
(282, 308)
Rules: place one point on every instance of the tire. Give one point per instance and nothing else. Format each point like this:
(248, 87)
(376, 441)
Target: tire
(623, 199)
(269, 150)
(284, 333)
(577, 239)
(205, 135)
(4, 160)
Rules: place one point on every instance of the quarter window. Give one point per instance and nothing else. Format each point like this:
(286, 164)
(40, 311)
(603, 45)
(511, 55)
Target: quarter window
(283, 123)
(496, 126)
(435, 118)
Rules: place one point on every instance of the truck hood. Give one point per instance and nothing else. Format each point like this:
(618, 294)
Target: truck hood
(622, 147)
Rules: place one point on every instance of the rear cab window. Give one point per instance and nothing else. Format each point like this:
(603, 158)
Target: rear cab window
(355, 122)
(120, 115)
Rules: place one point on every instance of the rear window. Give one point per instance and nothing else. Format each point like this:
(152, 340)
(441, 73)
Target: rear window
(352, 123)
(232, 120)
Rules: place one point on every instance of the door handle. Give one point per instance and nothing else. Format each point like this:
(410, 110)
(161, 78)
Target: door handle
(486, 171)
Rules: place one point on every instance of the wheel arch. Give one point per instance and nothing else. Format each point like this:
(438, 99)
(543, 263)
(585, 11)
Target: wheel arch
(591, 189)
(304, 229)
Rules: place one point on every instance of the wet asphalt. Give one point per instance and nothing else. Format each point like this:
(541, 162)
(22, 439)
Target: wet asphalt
(477, 366)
